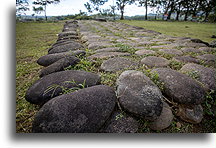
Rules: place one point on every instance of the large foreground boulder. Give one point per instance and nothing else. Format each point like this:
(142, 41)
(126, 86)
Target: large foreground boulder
(83, 111)
(55, 84)
(139, 95)
(180, 87)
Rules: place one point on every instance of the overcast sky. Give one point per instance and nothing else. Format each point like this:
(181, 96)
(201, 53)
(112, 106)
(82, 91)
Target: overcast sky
(66, 7)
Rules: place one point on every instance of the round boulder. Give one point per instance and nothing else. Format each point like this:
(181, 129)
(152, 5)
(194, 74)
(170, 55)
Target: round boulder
(139, 95)
(153, 61)
(117, 63)
(190, 113)
(180, 87)
(54, 84)
(83, 111)
(59, 65)
(164, 120)
(51, 58)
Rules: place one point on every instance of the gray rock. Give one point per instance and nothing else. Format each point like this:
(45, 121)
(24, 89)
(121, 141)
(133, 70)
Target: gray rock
(203, 74)
(108, 49)
(190, 50)
(63, 34)
(117, 63)
(139, 95)
(179, 87)
(191, 44)
(190, 113)
(51, 85)
(59, 65)
(213, 44)
(206, 49)
(70, 37)
(144, 52)
(97, 45)
(208, 59)
(153, 61)
(103, 55)
(120, 123)
(171, 51)
(66, 47)
(51, 58)
(199, 41)
(186, 59)
(83, 111)
(158, 46)
(164, 120)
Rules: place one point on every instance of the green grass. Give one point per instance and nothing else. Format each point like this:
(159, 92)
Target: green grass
(32, 42)
(202, 31)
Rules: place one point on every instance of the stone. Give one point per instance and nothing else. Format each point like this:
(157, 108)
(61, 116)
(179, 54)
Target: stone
(62, 42)
(120, 123)
(52, 85)
(190, 113)
(117, 63)
(192, 44)
(97, 45)
(83, 111)
(158, 46)
(51, 58)
(203, 74)
(190, 50)
(186, 59)
(66, 47)
(63, 34)
(139, 95)
(108, 49)
(153, 61)
(144, 52)
(103, 55)
(164, 120)
(212, 44)
(209, 59)
(70, 37)
(206, 49)
(199, 41)
(59, 65)
(179, 87)
(171, 51)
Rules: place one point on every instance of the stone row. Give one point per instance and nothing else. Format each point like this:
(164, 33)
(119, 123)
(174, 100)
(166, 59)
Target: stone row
(94, 109)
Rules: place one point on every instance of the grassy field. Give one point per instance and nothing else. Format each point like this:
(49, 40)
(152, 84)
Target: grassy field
(32, 41)
(202, 31)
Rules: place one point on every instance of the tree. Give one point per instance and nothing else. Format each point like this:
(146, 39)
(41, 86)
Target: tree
(94, 5)
(207, 6)
(38, 10)
(21, 7)
(121, 6)
(145, 3)
(44, 4)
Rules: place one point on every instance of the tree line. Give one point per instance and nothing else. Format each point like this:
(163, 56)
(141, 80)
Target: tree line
(185, 8)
